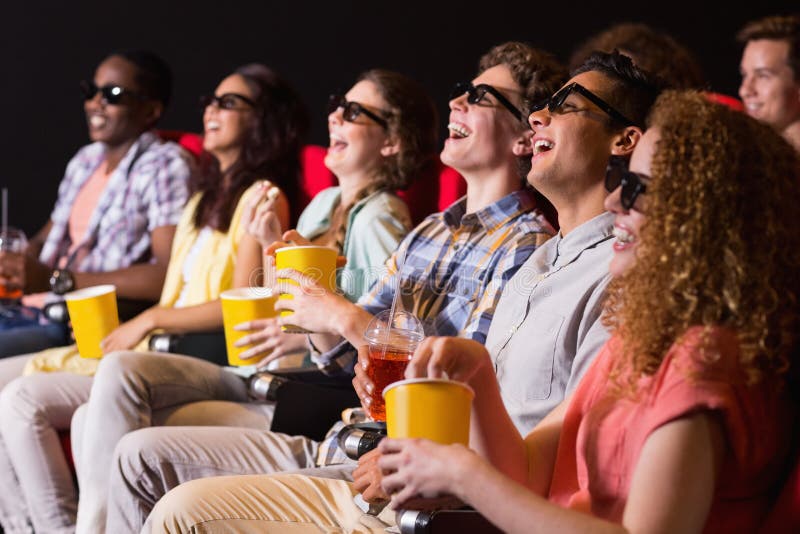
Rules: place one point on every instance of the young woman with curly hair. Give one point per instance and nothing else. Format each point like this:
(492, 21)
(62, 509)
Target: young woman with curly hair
(683, 423)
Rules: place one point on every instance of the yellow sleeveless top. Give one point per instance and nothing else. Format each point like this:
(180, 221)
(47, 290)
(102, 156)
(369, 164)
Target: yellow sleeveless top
(211, 274)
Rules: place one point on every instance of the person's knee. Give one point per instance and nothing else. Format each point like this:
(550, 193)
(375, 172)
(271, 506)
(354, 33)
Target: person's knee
(17, 400)
(116, 372)
(178, 509)
(136, 450)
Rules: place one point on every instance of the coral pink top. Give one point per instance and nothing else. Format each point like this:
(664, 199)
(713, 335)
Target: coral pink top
(603, 434)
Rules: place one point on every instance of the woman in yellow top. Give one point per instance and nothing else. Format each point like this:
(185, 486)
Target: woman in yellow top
(255, 126)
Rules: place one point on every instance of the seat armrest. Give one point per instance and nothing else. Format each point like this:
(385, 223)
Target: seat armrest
(444, 522)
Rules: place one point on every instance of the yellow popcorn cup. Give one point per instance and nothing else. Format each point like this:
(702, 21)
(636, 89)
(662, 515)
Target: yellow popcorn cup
(242, 305)
(434, 409)
(318, 263)
(93, 313)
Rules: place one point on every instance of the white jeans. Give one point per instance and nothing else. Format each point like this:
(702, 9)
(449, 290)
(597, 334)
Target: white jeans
(134, 390)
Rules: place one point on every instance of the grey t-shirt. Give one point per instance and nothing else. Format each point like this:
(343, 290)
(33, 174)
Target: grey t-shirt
(546, 329)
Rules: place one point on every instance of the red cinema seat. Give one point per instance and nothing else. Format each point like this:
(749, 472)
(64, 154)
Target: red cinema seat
(190, 141)
(725, 100)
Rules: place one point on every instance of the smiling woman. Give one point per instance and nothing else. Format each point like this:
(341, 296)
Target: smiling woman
(253, 138)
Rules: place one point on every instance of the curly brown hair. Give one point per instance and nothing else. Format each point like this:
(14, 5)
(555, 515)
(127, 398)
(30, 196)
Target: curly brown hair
(412, 118)
(776, 28)
(655, 51)
(538, 73)
(720, 245)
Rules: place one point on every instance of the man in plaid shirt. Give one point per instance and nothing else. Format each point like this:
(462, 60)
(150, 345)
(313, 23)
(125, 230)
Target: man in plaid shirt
(117, 206)
(452, 269)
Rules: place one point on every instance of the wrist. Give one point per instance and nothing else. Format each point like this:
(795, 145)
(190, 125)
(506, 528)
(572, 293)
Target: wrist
(151, 318)
(62, 281)
(464, 471)
(352, 323)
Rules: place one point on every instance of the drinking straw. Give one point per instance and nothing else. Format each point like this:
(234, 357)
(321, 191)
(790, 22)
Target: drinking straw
(393, 308)
(5, 213)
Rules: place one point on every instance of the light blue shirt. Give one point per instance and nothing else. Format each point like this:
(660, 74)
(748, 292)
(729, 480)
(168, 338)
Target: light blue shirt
(375, 227)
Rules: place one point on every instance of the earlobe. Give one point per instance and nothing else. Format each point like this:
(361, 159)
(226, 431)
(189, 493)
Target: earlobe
(626, 141)
(391, 148)
(156, 111)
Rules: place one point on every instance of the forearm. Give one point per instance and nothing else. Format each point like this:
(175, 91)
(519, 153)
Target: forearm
(37, 275)
(514, 508)
(352, 323)
(349, 321)
(202, 317)
(492, 433)
(142, 281)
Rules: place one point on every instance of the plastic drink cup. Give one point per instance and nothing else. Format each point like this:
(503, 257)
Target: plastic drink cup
(12, 247)
(434, 409)
(242, 305)
(390, 350)
(93, 313)
(315, 262)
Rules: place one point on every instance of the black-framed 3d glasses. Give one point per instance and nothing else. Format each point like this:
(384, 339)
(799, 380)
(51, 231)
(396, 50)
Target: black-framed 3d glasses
(476, 93)
(555, 103)
(632, 184)
(226, 101)
(111, 94)
(351, 110)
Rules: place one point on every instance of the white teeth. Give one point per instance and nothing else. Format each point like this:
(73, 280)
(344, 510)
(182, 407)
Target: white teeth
(542, 145)
(212, 125)
(97, 121)
(336, 138)
(623, 236)
(459, 129)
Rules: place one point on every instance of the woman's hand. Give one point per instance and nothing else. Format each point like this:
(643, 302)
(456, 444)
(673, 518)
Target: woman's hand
(129, 334)
(367, 478)
(315, 307)
(361, 382)
(421, 469)
(267, 336)
(259, 217)
(290, 238)
(454, 357)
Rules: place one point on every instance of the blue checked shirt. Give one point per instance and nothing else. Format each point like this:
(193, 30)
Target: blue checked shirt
(453, 267)
(148, 189)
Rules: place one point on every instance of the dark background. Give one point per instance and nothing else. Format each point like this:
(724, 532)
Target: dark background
(46, 48)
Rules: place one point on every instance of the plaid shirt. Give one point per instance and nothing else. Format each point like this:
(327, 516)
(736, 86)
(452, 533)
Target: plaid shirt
(148, 189)
(453, 268)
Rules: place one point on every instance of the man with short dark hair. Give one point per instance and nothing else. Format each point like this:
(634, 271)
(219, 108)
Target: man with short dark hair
(770, 69)
(547, 326)
(117, 206)
(455, 263)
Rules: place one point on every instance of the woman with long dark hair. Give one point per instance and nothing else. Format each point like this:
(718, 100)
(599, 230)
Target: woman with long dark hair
(254, 129)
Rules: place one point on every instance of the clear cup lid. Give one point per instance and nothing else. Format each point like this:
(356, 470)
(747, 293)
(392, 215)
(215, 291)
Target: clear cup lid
(405, 329)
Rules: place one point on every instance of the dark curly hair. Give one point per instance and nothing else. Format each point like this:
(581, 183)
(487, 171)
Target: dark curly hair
(270, 150)
(538, 73)
(652, 50)
(719, 248)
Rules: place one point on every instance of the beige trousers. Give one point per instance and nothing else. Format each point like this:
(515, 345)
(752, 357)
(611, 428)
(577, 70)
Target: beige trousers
(264, 504)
